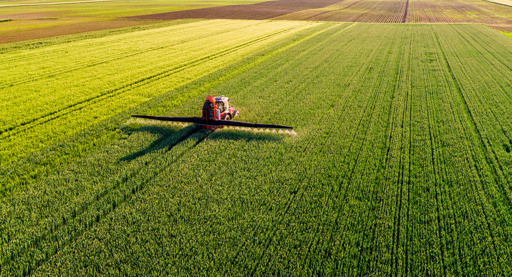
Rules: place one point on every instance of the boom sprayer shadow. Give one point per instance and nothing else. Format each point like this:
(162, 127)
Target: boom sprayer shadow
(169, 138)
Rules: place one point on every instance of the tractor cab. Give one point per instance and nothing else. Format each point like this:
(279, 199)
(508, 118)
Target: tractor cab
(222, 103)
(217, 108)
(227, 112)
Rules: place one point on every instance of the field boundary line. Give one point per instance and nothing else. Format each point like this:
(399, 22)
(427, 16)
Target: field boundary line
(404, 17)
(500, 3)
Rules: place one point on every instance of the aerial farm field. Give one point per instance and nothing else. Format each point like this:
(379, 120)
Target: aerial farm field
(401, 163)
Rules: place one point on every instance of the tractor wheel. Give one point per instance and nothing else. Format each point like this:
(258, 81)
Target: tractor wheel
(228, 117)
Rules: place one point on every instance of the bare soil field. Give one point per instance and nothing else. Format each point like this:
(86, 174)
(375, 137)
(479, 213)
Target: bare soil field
(36, 22)
(503, 28)
(264, 10)
(459, 12)
(386, 11)
(24, 20)
(66, 29)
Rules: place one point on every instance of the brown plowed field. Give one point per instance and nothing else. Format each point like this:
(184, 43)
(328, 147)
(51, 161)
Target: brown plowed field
(68, 29)
(382, 11)
(264, 10)
(459, 12)
(503, 28)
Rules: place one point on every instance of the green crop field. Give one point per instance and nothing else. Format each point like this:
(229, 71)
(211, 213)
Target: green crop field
(401, 164)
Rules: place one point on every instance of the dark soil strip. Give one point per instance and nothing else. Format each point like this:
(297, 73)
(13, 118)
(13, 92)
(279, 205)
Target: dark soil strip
(264, 10)
(67, 29)
(405, 13)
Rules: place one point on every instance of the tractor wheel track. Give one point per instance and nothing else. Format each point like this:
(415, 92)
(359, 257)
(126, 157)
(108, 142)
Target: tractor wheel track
(281, 107)
(481, 147)
(315, 244)
(349, 171)
(298, 187)
(305, 151)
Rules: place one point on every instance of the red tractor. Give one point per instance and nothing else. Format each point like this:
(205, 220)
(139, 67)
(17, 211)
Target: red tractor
(218, 108)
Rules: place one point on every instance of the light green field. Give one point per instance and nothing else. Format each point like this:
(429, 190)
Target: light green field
(65, 88)
(401, 166)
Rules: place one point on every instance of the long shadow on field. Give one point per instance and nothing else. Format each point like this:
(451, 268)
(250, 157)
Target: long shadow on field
(169, 137)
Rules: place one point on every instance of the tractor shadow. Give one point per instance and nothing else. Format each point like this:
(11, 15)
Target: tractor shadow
(168, 137)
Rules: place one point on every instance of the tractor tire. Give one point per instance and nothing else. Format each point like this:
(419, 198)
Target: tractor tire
(228, 117)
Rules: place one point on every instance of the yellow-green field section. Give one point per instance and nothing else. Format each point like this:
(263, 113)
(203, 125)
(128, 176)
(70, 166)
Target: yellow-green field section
(401, 165)
(51, 92)
(25, 20)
